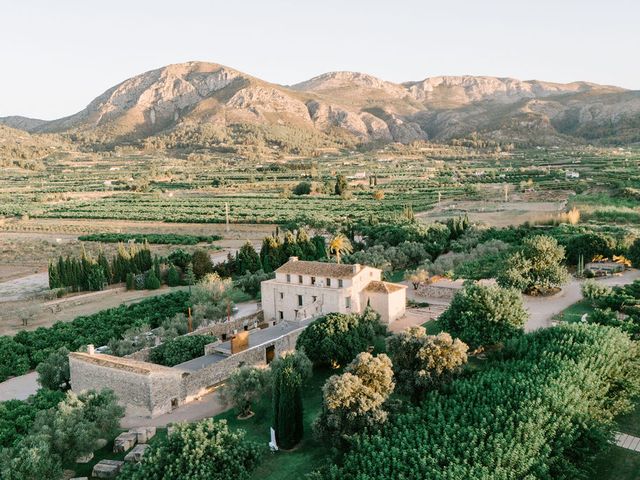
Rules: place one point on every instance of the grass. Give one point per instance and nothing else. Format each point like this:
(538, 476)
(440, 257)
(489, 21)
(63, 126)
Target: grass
(433, 327)
(308, 456)
(617, 464)
(574, 313)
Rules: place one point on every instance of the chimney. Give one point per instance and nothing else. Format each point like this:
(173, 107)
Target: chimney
(91, 349)
(293, 259)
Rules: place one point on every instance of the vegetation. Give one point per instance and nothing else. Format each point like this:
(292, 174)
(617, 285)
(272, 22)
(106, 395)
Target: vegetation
(337, 338)
(484, 315)
(205, 450)
(245, 386)
(180, 349)
(536, 268)
(29, 348)
(353, 401)
(53, 373)
(553, 393)
(152, 238)
(290, 373)
(424, 362)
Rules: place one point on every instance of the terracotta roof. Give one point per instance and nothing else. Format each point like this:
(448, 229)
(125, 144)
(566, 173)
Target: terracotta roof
(384, 287)
(320, 269)
(121, 363)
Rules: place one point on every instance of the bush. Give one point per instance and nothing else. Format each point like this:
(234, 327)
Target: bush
(250, 282)
(483, 315)
(592, 290)
(303, 188)
(589, 245)
(205, 450)
(29, 348)
(634, 253)
(202, 265)
(180, 349)
(337, 338)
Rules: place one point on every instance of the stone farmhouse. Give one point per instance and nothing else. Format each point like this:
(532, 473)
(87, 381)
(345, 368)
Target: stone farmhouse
(303, 290)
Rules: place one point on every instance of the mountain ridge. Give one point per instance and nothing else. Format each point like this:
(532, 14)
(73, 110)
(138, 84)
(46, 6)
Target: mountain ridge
(350, 106)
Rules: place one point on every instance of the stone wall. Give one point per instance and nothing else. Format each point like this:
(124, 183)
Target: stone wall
(197, 383)
(436, 291)
(147, 389)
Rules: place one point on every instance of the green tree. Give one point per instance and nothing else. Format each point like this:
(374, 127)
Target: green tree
(341, 185)
(270, 253)
(484, 315)
(173, 276)
(354, 400)
(336, 338)
(201, 261)
(423, 362)
(589, 245)
(53, 373)
(634, 253)
(307, 248)
(30, 459)
(151, 282)
(320, 247)
(303, 188)
(180, 349)
(290, 373)
(248, 259)
(536, 268)
(244, 387)
(205, 450)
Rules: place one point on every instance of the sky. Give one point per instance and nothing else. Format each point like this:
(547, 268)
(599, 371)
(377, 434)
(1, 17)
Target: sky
(56, 56)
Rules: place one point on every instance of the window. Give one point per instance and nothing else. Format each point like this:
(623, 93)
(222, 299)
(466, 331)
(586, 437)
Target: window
(299, 278)
(328, 282)
(299, 300)
(281, 295)
(347, 302)
(314, 298)
(339, 283)
(313, 280)
(281, 315)
(288, 278)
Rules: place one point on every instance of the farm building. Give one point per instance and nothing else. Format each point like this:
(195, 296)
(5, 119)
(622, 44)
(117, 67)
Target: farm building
(304, 289)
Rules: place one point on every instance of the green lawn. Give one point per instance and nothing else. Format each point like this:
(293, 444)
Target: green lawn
(575, 312)
(433, 327)
(630, 423)
(308, 456)
(617, 464)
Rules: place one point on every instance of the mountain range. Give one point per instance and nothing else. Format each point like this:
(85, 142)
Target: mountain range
(221, 103)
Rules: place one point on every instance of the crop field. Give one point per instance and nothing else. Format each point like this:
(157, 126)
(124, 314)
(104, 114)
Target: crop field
(198, 189)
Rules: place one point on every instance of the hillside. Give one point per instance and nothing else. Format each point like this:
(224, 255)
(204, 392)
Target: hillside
(200, 104)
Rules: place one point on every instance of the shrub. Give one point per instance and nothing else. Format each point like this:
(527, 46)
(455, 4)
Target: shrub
(151, 281)
(592, 290)
(337, 338)
(205, 450)
(202, 265)
(634, 253)
(180, 349)
(484, 315)
(589, 245)
(303, 188)
(14, 358)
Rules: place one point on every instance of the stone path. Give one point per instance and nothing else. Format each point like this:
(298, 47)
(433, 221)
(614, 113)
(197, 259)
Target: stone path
(628, 441)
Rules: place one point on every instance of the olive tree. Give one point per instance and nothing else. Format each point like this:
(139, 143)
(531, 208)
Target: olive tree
(244, 387)
(422, 362)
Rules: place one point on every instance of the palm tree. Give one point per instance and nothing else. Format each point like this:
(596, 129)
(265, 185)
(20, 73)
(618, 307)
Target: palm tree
(340, 245)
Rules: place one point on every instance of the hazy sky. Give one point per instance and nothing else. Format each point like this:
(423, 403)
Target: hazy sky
(56, 56)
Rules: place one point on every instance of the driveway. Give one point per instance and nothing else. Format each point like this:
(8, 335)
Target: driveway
(19, 388)
(543, 309)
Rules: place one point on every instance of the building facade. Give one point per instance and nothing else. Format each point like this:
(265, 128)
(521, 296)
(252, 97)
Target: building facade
(303, 290)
